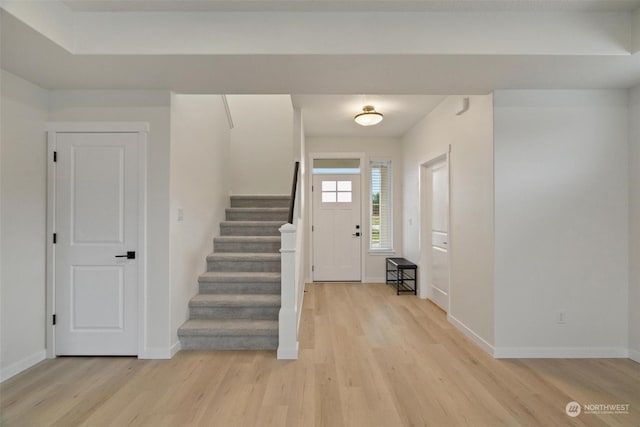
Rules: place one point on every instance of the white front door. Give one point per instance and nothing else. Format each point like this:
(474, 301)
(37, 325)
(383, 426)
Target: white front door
(439, 291)
(96, 223)
(337, 232)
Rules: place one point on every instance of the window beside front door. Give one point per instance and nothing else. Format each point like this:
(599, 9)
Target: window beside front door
(380, 207)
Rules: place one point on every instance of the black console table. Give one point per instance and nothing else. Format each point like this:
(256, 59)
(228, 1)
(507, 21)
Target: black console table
(403, 274)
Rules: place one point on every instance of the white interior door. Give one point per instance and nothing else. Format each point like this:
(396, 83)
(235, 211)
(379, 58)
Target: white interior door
(337, 232)
(439, 291)
(96, 222)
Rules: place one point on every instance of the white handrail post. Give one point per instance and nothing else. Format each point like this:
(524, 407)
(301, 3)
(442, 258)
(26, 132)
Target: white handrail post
(288, 318)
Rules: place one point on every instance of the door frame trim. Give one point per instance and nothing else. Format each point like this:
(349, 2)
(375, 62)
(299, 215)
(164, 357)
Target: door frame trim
(52, 129)
(335, 155)
(425, 256)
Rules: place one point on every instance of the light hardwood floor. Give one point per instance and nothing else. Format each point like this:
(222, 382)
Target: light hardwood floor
(367, 358)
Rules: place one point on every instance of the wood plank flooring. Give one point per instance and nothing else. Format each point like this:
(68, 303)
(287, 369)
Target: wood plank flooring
(367, 358)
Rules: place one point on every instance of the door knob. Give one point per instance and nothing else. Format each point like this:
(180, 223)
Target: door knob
(357, 234)
(129, 255)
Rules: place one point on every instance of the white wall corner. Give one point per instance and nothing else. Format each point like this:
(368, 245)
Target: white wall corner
(469, 333)
(175, 348)
(160, 352)
(22, 365)
(634, 355)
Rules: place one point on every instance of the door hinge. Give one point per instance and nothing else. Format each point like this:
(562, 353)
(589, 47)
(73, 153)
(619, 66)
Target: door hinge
(312, 228)
(55, 238)
(313, 268)
(55, 156)
(312, 188)
(54, 319)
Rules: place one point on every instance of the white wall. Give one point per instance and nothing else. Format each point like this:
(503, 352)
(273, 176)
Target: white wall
(200, 137)
(153, 107)
(22, 224)
(261, 144)
(374, 264)
(471, 206)
(561, 243)
(634, 224)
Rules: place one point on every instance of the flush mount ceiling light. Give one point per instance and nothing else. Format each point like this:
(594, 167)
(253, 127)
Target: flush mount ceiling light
(368, 117)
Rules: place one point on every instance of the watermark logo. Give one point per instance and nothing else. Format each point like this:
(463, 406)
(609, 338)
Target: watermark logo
(606, 408)
(573, 409)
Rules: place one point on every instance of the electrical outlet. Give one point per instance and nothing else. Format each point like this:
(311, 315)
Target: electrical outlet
(561, 317)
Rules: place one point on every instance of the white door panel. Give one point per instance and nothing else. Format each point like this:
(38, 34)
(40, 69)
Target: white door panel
(439, 287)
(96, 220)
(440, 269)
(336, 223)
(440, 198)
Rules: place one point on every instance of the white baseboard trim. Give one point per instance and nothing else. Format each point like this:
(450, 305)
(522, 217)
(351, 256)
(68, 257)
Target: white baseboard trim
(560, 352)
(22, 365)
(288, 353)
(374, 280)
(471, 334)
(175, 348)
(634, 355)
(159, 352)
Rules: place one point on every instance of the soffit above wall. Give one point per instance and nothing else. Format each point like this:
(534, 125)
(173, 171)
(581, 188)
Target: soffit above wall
(28, 54)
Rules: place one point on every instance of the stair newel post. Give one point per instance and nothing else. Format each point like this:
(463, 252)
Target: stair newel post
(288, 319)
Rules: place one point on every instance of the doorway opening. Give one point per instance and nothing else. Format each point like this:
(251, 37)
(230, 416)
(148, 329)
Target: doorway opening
(435, 282)
(336, 225)
(97, 220)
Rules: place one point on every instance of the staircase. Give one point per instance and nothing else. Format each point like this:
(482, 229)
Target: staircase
(239, 300)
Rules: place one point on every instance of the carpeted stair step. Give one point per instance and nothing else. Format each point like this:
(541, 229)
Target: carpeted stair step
(246, 244)
(250, 228)
(257, 214)
(239, 306)
(265, 201)
(224, 282)
(234, 334)
(243, 262)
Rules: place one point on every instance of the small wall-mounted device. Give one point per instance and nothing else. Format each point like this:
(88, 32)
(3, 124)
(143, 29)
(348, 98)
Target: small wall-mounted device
(465, 106)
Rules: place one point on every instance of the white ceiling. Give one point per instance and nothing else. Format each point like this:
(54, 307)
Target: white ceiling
(350, 5)
(332, 115)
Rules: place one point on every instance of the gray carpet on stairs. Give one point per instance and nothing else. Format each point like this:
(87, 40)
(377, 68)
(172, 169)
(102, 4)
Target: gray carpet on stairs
(239, 295)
